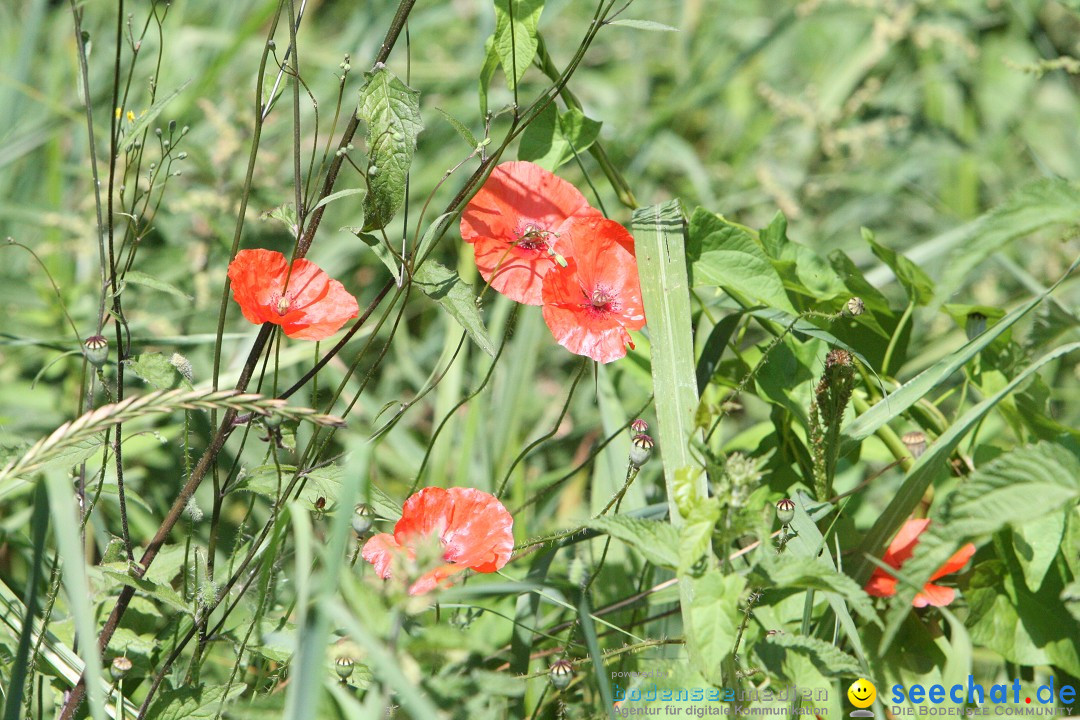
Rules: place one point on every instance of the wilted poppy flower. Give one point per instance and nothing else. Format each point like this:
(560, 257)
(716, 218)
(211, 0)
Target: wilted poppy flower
(471, 527)
(590, 304)
(882, 584)
(306, 303)
(515, 224)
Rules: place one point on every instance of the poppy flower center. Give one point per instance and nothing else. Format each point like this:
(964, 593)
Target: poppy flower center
(532, 236)
(602, 301)
(283, 305)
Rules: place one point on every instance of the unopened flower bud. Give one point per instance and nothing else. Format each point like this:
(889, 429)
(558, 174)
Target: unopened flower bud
(561, 673)
(362, 519)
(639, 426)
(855, 307)
(785, 511)
(119, 668)
(96, 349)
(344, 667)
(640, 449)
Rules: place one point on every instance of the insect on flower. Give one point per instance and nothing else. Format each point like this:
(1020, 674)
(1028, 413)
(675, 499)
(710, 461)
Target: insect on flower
(307, 303)
(515, 224)
(471, 528)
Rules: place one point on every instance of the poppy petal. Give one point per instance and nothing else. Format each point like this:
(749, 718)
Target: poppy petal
(519, 200)
(380, 550)
(255, 276)
(480, 534)
(958, 560)
(881, 584)
(903, 545)
(935, 595)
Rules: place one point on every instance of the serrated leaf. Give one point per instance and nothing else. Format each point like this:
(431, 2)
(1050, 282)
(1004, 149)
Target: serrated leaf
(445, 287)
(155, 370)
(829, 659)
(643, 25)
(515, 43)
(391, 111)
(695, 535)
(917, 284)
(463, 131)
(790, 571)
(491, 62)
(135, 132)
(724, 255)
(135, 277)
(193, 702)
(286, 215)
(1000, 492)
(118, 572)
(658, 542)
(714, 620)
(551, 138)
(378, 246)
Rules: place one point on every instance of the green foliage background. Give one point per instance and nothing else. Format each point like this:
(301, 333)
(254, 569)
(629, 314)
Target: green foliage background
(924, 158)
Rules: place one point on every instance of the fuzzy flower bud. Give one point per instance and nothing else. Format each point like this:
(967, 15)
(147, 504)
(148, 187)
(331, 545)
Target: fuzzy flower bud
(640, 449)
(561, 673)
(96, 349)
(785, 511)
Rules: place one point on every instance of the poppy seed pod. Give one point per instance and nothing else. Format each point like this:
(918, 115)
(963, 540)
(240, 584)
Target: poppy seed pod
(640, 449)
(119, 668)
(561, 673)
(96, 349)
(855, 307)
(975, 325)
(639, 426)
(362, 519)
(915, 441)
(344, 667)
(785, 511)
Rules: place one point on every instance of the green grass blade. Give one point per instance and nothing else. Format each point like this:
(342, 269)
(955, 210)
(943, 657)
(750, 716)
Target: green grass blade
(588, 630)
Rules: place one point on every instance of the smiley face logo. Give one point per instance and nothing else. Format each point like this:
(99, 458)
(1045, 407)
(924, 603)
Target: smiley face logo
(862, 693)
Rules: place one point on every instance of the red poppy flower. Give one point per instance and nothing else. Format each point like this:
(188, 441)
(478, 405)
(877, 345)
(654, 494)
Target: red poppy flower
(882, 584)
(590, 304)
(472, 528)
(307, 303)
(515, 223)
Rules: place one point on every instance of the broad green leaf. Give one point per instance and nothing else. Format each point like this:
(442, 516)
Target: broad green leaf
(695, 535)
(724, 255)
(715, 616)
(1023, 627)
(491, 62)
(917, 284)
(378, 246)
(552, 138)
(445, 287)
(391, 111)
(155, 369)
(1036, 544)
(135, 132)
(515, 42)
(134, 277)
(642, 25)
(829, 659)
(658, 542)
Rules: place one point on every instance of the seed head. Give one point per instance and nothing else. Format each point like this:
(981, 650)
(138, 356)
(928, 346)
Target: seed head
(785, 511)
(120, 667)
(96, 349)
(561, 673)
(640, 449)
(855, 307)
(639, 426)
(362, 519)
